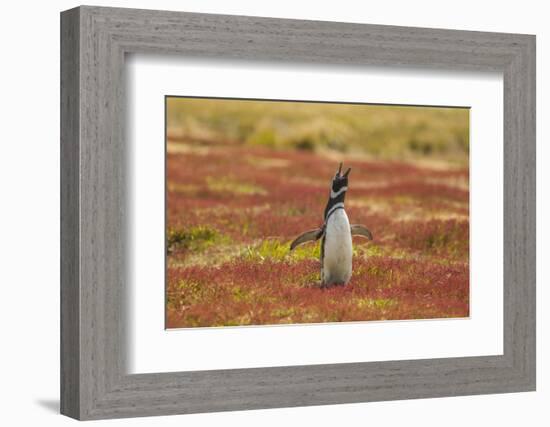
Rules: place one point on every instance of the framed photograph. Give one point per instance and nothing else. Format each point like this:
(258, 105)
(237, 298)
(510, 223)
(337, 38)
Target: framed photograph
(261, 213)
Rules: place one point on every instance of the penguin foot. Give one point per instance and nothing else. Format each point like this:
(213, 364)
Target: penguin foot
(332, 285)
(316, 284)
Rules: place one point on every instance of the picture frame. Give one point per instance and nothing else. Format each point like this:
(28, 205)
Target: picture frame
(94, 267)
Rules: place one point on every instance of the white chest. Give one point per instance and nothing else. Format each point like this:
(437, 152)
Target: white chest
(336, 268)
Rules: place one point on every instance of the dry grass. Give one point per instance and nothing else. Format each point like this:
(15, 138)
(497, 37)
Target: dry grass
(389, 132)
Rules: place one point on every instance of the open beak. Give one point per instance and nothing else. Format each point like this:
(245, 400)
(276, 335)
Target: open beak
(339, 170)
(347, 172)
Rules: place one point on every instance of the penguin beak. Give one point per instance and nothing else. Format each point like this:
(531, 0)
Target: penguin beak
(339, 170)
(347, 172)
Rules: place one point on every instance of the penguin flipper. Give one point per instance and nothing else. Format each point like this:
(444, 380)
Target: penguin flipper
(308, 236)
(360, 230)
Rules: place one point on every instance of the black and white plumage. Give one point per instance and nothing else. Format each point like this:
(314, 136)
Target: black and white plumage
(335, 235)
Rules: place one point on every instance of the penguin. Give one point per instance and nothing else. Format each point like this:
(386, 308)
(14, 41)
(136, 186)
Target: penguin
(335, 235)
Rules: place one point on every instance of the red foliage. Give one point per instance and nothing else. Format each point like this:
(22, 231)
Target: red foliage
(416, 268)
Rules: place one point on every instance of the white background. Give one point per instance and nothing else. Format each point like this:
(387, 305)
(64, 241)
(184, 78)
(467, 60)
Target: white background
(152, 349)
(29, 218)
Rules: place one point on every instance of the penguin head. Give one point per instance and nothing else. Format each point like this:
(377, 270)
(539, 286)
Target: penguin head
(340, 180)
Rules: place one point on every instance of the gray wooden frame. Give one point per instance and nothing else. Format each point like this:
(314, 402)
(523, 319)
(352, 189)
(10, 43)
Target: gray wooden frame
(94, 41)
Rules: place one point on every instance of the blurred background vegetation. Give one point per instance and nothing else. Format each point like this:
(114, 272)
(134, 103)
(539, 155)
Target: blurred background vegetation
(378, 131)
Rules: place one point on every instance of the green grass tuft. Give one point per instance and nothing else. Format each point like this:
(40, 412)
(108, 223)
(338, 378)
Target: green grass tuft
(193, 238)
(378, 303)
(275, 250)
(263, 137)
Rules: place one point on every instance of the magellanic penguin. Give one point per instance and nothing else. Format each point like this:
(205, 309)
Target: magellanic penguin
(335, 234)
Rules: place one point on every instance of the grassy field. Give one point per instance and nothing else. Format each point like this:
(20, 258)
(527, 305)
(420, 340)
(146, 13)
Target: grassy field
(236, 199)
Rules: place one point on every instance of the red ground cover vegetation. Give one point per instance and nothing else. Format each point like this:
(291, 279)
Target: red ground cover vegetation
(233, 210)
